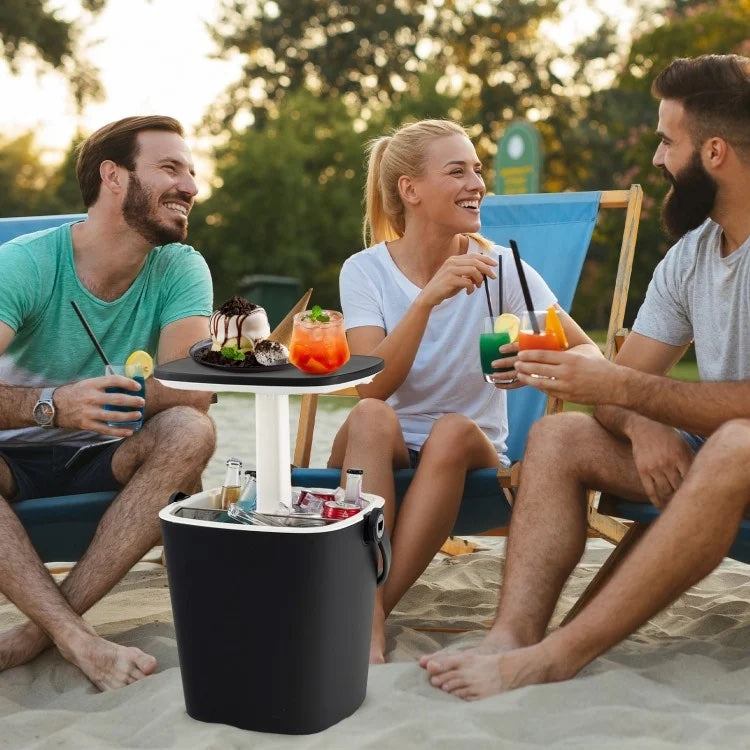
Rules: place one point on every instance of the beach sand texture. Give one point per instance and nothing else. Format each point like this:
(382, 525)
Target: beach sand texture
(681, 681)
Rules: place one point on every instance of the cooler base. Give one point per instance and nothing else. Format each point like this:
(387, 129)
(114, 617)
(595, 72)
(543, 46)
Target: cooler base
(273, 628)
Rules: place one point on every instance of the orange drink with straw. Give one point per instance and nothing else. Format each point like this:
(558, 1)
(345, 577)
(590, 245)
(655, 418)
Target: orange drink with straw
(548, 332)
(318, 344)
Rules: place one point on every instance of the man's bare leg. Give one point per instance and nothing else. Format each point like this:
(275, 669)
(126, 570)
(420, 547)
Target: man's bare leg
(680, 548)
(371, 440)
(169, 452)
(566, 453)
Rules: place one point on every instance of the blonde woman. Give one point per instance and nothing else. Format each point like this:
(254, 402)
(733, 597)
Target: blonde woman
(409, 299)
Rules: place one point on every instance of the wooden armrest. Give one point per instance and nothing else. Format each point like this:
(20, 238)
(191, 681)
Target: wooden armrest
(620, 337)
(508, 477)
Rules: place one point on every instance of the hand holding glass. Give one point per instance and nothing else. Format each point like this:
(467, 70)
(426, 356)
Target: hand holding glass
(134, 372)
(489, 343)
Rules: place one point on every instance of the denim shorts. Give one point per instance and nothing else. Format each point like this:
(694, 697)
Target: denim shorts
(51, 470)
(694, 441)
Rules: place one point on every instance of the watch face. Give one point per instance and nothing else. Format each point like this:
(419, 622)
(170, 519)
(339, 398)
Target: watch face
(44, 413)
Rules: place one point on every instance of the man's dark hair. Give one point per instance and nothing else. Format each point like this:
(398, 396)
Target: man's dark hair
(117, 142)
(715, 92)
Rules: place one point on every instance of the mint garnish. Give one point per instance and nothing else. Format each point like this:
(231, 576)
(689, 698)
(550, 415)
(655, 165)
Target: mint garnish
(318, 315)
(231, 352)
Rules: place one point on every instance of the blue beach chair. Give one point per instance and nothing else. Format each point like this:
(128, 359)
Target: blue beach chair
(553, 232)
(60, 528)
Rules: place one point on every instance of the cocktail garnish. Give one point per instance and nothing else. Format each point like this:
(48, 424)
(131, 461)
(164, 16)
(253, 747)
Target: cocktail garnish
(554, 328)
(144, 359)
(510, 323)
(318, 315)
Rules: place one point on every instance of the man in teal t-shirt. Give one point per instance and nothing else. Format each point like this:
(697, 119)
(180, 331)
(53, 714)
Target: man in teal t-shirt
(139, 288)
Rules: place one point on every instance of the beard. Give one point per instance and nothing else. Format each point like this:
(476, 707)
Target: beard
(139, 211)
(690, 199)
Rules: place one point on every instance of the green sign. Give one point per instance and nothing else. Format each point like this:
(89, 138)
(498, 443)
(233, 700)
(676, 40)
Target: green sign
(518, 164)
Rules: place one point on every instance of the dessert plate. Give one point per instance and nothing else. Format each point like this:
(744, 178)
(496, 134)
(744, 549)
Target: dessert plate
(199, 350)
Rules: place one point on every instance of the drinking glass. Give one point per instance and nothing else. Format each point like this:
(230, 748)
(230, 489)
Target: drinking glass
(135, 372)
(318, 347)
(489, 343)
(542, 338)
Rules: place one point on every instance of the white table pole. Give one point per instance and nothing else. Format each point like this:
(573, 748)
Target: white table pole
(272, 452)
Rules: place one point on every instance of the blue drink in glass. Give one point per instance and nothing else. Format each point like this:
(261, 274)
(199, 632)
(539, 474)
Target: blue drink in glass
(134, 372)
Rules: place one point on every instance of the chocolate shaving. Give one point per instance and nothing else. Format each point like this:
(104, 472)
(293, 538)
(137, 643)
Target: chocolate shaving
(237, 306)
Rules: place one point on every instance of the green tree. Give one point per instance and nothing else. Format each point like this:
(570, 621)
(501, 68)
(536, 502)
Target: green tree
(286, 199)
(23, 178)
(30, 25)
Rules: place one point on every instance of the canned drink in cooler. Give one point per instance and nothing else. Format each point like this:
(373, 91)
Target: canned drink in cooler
(339, 511)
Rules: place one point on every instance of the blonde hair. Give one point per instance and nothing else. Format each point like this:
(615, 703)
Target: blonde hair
(403, 152)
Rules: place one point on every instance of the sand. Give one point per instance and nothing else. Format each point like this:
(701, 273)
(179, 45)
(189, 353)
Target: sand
(680, 681)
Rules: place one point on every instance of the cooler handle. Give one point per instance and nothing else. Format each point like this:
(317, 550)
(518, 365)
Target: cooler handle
(376, 534)
(177, 496)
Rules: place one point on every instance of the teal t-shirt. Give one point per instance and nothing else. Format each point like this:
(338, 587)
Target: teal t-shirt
(51, 347)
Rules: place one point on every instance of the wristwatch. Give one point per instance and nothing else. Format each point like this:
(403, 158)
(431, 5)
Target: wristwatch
(44, 409)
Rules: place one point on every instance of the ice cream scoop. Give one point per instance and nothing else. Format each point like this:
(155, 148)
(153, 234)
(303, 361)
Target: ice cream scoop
(271, 353)
(239, 324)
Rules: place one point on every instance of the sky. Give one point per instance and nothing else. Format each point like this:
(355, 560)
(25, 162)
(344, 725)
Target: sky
(154, 56)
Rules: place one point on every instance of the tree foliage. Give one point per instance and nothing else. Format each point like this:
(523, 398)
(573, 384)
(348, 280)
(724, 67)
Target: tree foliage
(30, 187)
(31, 26)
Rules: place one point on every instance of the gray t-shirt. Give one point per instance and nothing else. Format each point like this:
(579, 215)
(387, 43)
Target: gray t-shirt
(695, 294)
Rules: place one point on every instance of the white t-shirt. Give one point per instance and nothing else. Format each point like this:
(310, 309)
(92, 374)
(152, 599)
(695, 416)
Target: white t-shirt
(695, 294)
(446, 377)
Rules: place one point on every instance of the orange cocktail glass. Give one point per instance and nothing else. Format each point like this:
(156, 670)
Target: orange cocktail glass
(549, 333)
(318, 347)
(541, 340)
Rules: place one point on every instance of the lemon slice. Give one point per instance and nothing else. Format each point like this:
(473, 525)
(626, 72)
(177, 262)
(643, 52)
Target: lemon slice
(510, 323)
(555, 329)
(139, 357)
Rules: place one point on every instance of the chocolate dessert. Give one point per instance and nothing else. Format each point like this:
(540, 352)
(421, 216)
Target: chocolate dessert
(239, 332)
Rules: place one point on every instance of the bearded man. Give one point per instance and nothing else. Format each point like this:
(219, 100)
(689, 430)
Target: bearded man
(685, 447)
(139, 288)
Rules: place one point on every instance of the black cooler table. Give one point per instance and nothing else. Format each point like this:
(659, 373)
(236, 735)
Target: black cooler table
(272, 623)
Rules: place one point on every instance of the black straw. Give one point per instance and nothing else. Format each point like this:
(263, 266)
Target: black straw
(500, 285)
(487, 292)
(524, 286)
(90, 332)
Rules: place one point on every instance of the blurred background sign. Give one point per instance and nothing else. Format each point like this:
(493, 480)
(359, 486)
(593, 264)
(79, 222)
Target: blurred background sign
(518, 164)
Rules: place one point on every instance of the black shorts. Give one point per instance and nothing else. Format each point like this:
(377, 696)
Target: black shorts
(51, 470)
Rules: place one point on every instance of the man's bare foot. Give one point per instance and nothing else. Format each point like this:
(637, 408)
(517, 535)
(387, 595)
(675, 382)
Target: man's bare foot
(21, 644)
(472, 675)
(377, 640)
(491, 644)
(108, 665)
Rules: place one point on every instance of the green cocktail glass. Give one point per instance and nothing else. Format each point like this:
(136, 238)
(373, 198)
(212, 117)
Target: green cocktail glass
(489, 343)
